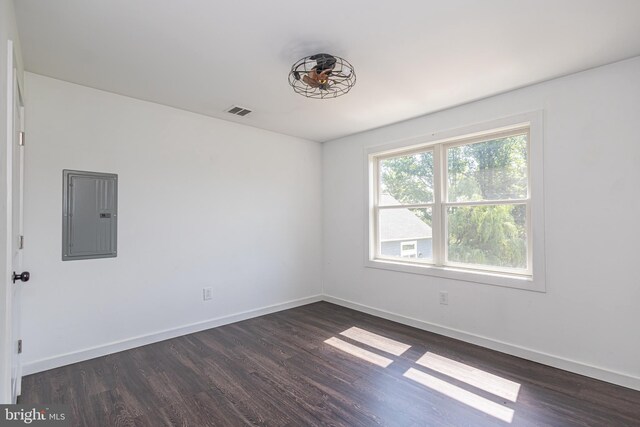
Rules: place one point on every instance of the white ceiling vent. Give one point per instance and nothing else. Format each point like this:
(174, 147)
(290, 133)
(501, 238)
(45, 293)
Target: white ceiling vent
(238, 111)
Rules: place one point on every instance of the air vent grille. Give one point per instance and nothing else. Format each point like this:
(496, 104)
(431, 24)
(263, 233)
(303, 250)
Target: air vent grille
(238, 111)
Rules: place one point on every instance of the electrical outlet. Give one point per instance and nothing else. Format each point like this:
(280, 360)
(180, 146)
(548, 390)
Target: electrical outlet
(207, 293)
(444, 298)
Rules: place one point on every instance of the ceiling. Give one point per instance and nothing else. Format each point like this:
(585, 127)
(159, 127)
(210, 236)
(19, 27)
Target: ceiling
(411, 57)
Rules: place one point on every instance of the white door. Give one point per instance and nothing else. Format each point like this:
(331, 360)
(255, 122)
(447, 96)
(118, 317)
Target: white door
(19, 278)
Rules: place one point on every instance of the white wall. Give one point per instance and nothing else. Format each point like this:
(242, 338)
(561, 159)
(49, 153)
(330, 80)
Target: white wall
(8, 31)
(588, 321)
(202, 202)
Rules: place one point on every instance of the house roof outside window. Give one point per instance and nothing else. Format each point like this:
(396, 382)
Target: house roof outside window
(401, 224)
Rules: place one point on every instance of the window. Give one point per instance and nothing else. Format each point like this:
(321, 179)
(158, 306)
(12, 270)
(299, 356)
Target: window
(461, 204)
(409, 249)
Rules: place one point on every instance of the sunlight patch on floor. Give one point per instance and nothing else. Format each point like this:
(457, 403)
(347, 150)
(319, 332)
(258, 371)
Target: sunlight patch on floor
(461, 395)
(377, 341)
(490, 383)
(359, 352)
(473, 376)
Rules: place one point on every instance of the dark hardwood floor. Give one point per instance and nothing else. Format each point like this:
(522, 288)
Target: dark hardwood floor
(277, 370)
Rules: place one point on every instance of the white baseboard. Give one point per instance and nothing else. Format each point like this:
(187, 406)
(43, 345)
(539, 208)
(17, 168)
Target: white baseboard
(603, 374)
(126, 344)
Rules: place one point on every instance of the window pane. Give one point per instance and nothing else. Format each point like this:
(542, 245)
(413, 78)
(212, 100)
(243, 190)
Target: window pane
(406, 233)
(492, 235)
(407, 179)
(489, 170)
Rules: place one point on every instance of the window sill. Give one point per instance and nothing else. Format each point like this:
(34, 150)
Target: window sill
(488, 278)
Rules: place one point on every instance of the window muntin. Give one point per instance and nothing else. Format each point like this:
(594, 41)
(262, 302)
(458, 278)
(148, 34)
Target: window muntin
(477, 194)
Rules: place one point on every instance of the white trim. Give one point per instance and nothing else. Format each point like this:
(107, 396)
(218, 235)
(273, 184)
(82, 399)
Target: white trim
(577, 367)
(614, 377)
(133, 342)
(438, 245)
(473, 276)
(410, 206)
(7, 388)
(534, 277)
(473, 132)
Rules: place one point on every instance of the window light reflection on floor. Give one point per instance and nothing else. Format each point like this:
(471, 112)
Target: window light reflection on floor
(498, 386)
(473, 376)
(377, 341)
(359, 352)
(461, 395)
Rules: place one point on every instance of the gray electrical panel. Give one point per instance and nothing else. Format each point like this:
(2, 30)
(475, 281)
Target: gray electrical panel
(90, 215)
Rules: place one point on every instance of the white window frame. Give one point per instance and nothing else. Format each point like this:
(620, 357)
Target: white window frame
(531, 279)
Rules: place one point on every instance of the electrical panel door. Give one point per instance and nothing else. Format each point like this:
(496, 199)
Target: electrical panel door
(89, 219)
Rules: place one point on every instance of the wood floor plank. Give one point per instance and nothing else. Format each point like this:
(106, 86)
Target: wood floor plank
(277, 370)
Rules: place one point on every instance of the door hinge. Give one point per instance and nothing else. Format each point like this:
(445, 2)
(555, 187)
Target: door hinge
(21, 138)
(20, 242)
(19, 346)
